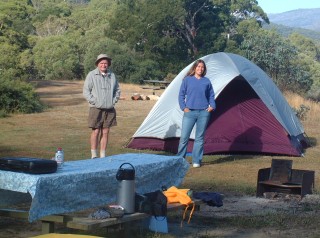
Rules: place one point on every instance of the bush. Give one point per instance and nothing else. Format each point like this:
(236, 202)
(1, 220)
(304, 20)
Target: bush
(18, 97)
(147, 70)
(302, 111)
(314, 94)
(3, 114)
(57, 58)
(123, 59)
(170, 77)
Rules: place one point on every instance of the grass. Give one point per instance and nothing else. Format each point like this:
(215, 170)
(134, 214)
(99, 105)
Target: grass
(64, 125)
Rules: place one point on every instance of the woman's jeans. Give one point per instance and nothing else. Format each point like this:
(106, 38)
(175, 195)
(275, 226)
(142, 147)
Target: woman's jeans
(199, 118)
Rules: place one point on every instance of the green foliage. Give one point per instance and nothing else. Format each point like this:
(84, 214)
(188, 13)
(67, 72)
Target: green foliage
(170, 77)
(53, 25)
(126, 64)
(302, 111)
(3, 113)
(248, 9)
(314, 93)
(15, 22)
(305, 45)
(309, 58)
(123, 63)
(147, 70)
(8, 57)
(286, 31)
(10, 62)
(50, 8)
(277, 57)
(244, 28)
(17, 96)
(57, 57)
(92, 17)
(175, 34)
(172, 34)
(60, 39)
(27, 66)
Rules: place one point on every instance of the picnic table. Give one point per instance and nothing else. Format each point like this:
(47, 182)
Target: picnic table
(157, 82)
(155, 85)
(84, 184)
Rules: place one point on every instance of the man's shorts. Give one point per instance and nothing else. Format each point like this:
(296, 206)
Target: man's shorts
(102, 118)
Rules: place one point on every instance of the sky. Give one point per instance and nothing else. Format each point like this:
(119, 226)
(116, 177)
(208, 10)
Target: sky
(279, 6)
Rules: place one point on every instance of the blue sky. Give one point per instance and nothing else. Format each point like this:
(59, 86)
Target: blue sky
(279, 6)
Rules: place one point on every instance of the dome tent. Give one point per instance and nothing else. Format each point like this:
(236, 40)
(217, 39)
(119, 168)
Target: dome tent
(252, 115)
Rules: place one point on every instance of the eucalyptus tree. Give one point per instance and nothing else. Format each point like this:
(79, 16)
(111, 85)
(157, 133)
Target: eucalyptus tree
(15, 21)
(15, 27)
(56, 57)
(93, 16)
(175, 32)
(244, 10)
(170, 32)
(204, 23)
(275, 55)
(15, 32)
(305, 45)
(309, 56)
(46, 8)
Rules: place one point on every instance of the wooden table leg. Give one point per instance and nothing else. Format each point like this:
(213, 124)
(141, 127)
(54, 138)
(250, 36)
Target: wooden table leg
(47, 227)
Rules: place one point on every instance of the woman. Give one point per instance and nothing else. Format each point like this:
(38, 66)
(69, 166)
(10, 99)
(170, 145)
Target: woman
(196, 100)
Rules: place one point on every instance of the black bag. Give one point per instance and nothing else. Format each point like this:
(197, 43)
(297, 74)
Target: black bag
(153, 203)
(28, 165)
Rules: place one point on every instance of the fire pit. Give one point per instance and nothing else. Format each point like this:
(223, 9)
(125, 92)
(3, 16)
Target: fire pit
(281, 178)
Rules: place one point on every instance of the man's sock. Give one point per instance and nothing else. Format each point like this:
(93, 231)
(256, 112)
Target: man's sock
(94, 154)
(102, 153)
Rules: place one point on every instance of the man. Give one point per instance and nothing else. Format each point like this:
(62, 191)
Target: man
(101, 90)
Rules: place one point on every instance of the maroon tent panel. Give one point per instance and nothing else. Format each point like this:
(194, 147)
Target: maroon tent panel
(241, 124)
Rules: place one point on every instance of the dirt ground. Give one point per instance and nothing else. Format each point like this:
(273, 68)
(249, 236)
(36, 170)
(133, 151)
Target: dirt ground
(233, 207)
(247, 207)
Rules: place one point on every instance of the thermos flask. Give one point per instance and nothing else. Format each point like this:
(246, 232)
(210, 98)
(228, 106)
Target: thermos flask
(126, 188)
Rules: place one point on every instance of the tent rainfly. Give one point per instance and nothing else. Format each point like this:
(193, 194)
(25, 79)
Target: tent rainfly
(252, 115)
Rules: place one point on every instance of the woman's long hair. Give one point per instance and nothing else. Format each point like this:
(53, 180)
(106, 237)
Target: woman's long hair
(192, 70)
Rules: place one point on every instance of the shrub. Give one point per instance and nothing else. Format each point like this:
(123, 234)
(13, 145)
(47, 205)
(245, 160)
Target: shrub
(57, 57)
(314, 94)
(170, 77)
(17, 96)
(302, 111)
(3, 114)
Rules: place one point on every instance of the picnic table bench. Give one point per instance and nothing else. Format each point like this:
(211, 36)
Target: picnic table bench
(81, 222)
(88, 224)
(153, 88)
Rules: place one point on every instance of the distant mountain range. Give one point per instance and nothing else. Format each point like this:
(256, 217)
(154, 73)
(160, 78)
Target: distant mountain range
(303, 21)
(300, 18)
